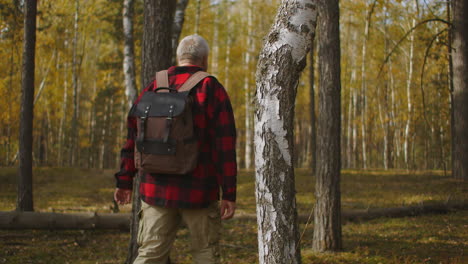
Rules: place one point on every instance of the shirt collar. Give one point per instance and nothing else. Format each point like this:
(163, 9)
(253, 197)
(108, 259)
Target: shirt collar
(184, 69)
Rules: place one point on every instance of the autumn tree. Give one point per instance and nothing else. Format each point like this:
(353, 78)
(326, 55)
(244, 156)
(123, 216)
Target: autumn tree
(25, 188)
(156, 56)
(460, 89)
(327, 212)
(281, 61)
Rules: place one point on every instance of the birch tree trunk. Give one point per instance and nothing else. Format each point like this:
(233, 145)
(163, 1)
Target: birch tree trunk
(460, 89)
(63, 118)
(179, 18)
(281, 61)
(247, 78)
(408, 94)
(327, 213)
(129, 53)
(25, 188)
(156, 56)
(364, 85)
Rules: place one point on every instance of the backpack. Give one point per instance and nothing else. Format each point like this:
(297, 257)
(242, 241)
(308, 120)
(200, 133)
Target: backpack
(165, 141)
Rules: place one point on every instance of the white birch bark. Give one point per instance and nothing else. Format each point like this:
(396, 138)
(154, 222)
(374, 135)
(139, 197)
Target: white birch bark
(247, 78)
(179, 18)
(129, 53)
(364, 88)
(282, 59)
(409, 80)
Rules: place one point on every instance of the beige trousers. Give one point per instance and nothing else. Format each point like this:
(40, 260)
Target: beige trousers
(158, 227)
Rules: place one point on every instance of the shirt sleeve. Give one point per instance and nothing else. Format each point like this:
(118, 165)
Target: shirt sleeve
(225, 142)
(124, 177)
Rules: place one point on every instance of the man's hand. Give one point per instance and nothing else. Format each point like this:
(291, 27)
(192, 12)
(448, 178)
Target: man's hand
(227, 209)
(122, 196)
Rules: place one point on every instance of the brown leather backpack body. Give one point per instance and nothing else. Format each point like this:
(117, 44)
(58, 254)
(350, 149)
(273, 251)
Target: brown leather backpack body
(166, 142)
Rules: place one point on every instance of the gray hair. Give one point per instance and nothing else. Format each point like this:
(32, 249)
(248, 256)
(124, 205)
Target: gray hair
(192, 48)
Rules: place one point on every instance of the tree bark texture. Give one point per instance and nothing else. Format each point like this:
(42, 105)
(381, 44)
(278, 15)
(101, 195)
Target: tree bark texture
(25, 189)
(156, 56)
(327, 213)
(460, 89)
(281, 61)
(157, 32)
(129, 53)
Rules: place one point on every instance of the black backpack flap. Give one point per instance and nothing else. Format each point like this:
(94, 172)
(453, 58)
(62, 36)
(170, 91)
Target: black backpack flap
(160, 104)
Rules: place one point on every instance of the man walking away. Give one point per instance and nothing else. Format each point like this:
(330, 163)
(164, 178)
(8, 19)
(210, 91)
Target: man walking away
(170, 194)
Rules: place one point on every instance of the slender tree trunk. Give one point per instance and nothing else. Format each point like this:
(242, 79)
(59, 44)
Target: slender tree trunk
(75, 126)
(364, 86)
(384, 116)
(92, 126)
(228, 45)
(349, 138)
(63, 118)
(156, 56)
(281, 61)
(129, 53)
(25, 188)
(460, 89)
(327, 213)
(10, 101)
(352, 109)
(313, 118)
(450, 76)
(409, 96)
(247, 78)
(214, 69)
(102, 146)
(179, 19)
(355, 128)
(197, 17)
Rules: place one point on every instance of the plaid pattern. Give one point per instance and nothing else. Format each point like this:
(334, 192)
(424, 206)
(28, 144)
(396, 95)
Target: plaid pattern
(215, 128)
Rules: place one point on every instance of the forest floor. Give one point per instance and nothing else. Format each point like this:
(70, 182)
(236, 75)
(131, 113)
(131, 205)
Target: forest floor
(423, 239)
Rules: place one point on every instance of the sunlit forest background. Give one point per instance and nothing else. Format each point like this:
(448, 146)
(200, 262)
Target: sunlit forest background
(395, 80)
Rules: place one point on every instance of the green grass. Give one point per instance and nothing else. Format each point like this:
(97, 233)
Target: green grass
(367, 189)
(425, 239)
(62, 189)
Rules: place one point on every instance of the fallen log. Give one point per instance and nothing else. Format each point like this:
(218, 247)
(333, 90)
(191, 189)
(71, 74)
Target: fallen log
(60, 221)
(45, 220)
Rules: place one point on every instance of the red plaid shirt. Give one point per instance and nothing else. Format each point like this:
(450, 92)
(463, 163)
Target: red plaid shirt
(216, 131)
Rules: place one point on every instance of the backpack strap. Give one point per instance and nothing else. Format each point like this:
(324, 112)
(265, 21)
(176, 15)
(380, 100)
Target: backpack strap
(193, 81)
(162, 80)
